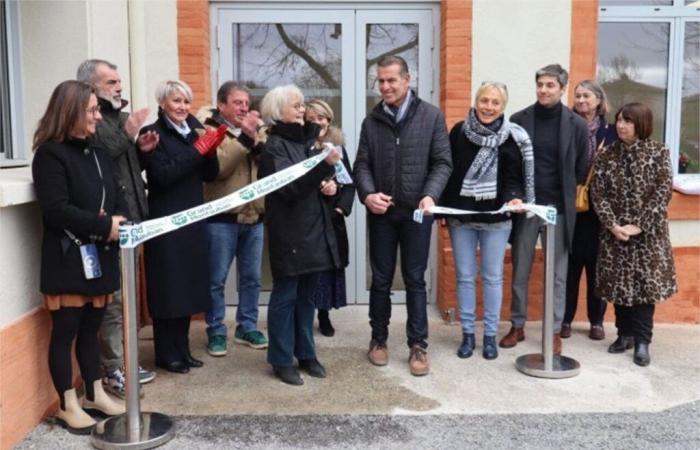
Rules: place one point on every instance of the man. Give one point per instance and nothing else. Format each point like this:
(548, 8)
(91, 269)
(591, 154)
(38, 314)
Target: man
(116, 133)
(403, 163)
(239, 232)
(559, 139)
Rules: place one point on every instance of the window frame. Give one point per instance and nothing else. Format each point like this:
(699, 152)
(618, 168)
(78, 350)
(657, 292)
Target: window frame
(16, 154)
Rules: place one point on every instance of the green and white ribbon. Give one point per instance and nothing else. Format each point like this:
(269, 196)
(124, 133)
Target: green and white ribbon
(547, 213)
(131, 236)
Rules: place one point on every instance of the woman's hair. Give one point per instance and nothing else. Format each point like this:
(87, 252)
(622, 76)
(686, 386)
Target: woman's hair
(167, 89)
(321, 108)
(276, 99)
(599, 92)
(498, 86)
(640, 115)
(66, 111)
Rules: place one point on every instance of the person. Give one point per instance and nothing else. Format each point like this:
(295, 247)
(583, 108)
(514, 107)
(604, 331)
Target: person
(631, 189)
(177, 263)
(493, 165)
(403, 163)
(116, 133)
(331, 292)
(81, 209)
(239, 232)
(559, 140)
(590, 103)
(301, 239)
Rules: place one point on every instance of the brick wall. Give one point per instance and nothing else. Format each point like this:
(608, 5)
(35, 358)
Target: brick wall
(194, 49)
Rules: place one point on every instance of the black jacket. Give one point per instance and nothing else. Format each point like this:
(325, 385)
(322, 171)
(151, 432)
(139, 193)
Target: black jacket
(177, 263)
(299, 228)
(406, 162)
(69, 189)
(573, 142)
(343, 200)
(509, 178)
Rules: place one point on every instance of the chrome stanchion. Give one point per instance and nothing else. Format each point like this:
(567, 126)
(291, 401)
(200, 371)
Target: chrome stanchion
(547, 364)
(135, 429)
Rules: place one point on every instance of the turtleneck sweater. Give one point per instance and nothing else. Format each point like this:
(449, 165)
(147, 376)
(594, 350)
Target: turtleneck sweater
(548, 187)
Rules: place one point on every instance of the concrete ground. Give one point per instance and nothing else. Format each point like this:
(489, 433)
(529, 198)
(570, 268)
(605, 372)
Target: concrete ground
(235, 402)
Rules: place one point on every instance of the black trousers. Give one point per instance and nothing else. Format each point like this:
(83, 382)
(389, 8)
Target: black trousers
(81, 324)
(584, 254)
(636, 321)
(171, 340)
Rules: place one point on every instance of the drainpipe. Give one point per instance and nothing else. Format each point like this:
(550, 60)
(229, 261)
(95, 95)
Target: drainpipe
(137, 54)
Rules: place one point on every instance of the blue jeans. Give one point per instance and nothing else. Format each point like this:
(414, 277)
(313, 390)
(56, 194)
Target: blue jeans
(245, 242)
(491, 240)
(290, 319)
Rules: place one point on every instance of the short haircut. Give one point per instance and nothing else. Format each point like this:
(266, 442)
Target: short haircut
(228, 87)
(390, 60)
(321, 108)
(276, 100)
(66, 111)
(599, 92)
(87, 70)
(640, 115)
(556, 71)
(167, 89)
(497, 85)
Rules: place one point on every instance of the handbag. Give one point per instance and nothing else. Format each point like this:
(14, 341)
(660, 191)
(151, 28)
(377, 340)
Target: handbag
(582, 203)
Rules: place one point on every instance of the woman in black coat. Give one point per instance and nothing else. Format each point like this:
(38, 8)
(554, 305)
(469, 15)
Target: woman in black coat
(300, 234)
(591, 104)
(81, 209)
(177, 267)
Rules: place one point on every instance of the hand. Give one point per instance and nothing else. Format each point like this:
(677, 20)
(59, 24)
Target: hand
(329, 188)
(207, 143)
(378, 203)
(114, 231)
(619, 233)
(333, 157)
(426, 203)
(135, 121)
(148, 141)
(250, 124)
(631, 230)
(516, 204)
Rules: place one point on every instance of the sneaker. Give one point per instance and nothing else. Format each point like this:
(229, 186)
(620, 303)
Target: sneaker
(146, 376)
(418, 361)
(253, 338)
(217, 346)
(115, 383)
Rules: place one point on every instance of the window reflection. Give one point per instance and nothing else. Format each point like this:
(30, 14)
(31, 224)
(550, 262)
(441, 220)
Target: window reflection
(636, 2)
(688, 152)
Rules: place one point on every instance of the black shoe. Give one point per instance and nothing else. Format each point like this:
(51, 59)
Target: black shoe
(312, 367)
(466, 349)
(288, 375)
(621, 344)
(175, 366)
(192, 361)
(641, 354)
(490, 348)
(324, 323)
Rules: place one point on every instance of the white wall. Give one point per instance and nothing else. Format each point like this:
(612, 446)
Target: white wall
(513, 38)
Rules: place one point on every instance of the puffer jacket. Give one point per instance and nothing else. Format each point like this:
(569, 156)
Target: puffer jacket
(238, 167)
(408, 161)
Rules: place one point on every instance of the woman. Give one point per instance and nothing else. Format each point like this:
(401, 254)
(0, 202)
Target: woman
(492, 164)
(631, 189)
(177, 264)
(300, 235)
(330, 292)
(81, 210)
(591, 104)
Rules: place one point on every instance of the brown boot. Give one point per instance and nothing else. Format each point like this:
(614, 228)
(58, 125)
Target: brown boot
(378, 354)
(556, 344)
(511, 339)
(418, 361)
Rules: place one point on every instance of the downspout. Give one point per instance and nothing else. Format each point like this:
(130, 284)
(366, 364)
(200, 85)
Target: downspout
(137, 54)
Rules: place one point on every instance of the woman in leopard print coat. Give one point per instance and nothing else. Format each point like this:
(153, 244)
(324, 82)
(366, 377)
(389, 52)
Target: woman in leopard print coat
(630, 190)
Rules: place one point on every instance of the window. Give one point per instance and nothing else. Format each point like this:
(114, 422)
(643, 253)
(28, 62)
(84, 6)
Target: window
(649, 51)
(11, 139)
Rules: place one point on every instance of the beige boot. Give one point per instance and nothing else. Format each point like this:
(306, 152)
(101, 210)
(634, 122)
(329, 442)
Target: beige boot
(103, 404)
(73, 418)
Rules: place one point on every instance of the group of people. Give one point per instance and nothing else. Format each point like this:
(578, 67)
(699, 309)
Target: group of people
(88, 168)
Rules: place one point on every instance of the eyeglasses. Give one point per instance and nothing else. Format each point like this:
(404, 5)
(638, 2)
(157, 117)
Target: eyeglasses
(94, 110)
(299, 106)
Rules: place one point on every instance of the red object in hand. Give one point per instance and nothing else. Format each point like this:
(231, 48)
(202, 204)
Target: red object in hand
(207, 143)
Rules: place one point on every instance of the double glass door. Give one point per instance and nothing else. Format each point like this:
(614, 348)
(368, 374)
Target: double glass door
(331, 54)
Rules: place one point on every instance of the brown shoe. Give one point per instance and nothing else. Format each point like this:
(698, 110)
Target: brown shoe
(378, 353)
(418, 361)
(511, 339)
(597, 333)
(556, 344)
(565, 330)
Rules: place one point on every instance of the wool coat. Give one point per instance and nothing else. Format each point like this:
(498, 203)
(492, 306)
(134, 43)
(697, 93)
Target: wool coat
(177, 263)
(632, 184)
(68, 186)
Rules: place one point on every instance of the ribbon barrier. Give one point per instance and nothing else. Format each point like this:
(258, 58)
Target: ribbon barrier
(546, 213)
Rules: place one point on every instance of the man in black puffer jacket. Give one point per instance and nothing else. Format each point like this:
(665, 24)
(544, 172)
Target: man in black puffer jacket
(403, 163)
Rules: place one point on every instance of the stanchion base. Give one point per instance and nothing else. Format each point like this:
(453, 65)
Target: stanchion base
(112, 434)
(562, 366)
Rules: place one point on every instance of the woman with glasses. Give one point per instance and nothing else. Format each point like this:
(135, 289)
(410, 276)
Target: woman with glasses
(81, 208)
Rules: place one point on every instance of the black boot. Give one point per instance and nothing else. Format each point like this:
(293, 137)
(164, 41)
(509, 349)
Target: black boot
(621, 344)
(324, 323)
(466, 349)
(490, 348)
(288, 375)
(312, 367)
(641, 354)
